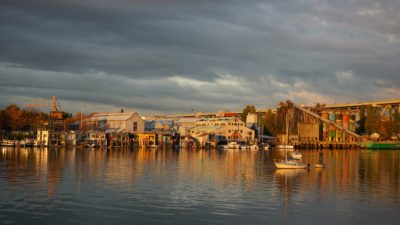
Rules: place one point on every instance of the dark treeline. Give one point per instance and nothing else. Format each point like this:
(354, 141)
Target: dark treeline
(372, 120)
(14, 121)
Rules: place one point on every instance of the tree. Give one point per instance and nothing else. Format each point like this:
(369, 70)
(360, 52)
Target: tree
(361, 122)
(248, 109)
(393, 124)
(373, 120)
(14, 116)
(269, 123)
(3, 120)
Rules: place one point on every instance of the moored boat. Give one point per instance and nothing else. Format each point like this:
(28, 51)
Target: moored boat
(244, 147)
(290, 164)
(233, 145)
(285, 147)
(223, 147)
(296, 155)
(6, 142)
(254, 147)
(380, 145)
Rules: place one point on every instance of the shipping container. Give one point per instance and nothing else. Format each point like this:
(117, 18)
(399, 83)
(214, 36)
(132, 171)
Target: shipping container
(332, 116)
(346, 121)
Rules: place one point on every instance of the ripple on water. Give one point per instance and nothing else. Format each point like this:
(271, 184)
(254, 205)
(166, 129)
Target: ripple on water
(195, 187)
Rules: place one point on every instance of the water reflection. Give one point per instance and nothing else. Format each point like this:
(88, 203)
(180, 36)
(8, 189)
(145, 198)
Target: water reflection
(210, 184)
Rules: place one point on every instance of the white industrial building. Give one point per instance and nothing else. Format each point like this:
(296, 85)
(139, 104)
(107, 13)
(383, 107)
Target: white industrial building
(129, 122)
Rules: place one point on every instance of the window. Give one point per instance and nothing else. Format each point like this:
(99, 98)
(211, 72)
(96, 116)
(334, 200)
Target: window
(229, 131)
(134, 126)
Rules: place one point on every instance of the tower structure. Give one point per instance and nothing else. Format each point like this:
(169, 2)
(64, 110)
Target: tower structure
(56, 122)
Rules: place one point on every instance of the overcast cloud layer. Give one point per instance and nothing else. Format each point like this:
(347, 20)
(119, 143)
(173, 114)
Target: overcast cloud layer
(162, 56)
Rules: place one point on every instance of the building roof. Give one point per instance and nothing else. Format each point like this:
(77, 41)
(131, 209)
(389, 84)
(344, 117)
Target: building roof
(112, 116)
(216, 119)
(186, 120)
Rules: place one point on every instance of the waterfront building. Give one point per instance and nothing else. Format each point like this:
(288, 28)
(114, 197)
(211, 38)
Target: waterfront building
(129, 122)
(96, 138)
(154, 138)
(42, 137)
(158, 125)
(71, 138)
(184, 125)
(252, 120)
(221, 121)
(45, 136)
(119, 139)
(230, 132)
(146, 139)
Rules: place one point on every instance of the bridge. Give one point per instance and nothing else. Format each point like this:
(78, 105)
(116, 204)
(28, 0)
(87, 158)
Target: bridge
(353, 106)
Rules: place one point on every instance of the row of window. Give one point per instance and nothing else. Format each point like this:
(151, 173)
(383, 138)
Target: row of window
(219, 124)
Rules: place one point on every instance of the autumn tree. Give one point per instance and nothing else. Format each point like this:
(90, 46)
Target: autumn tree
(361, 122)
(248, 109)
(396, 122)
(373, 120)
(269, 123)
(12, 118)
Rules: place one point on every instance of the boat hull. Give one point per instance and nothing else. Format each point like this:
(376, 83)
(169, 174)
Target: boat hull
(380, 145)
(287, 165)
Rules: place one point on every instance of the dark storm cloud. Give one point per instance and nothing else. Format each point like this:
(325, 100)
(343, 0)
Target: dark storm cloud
(177, 55)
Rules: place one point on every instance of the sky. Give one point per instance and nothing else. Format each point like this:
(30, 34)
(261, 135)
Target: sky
(179, 56)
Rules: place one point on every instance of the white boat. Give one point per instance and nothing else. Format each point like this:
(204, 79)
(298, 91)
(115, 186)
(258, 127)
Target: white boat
(266, 147)
(223, 147)
(90, 145)
(296, 155)
(244, 147)
(285, 147)
(8, 143)
(319, 165)
(291, 164)
(233, 145)
(153, 147)
(254, 147)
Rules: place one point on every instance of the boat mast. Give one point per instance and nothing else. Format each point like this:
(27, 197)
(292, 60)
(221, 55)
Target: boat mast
(287, 131)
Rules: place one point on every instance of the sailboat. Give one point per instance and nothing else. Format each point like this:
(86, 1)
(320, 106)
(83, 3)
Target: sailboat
(289, 164)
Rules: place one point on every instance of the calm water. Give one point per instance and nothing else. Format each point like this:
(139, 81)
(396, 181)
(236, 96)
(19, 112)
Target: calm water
(196, 187)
